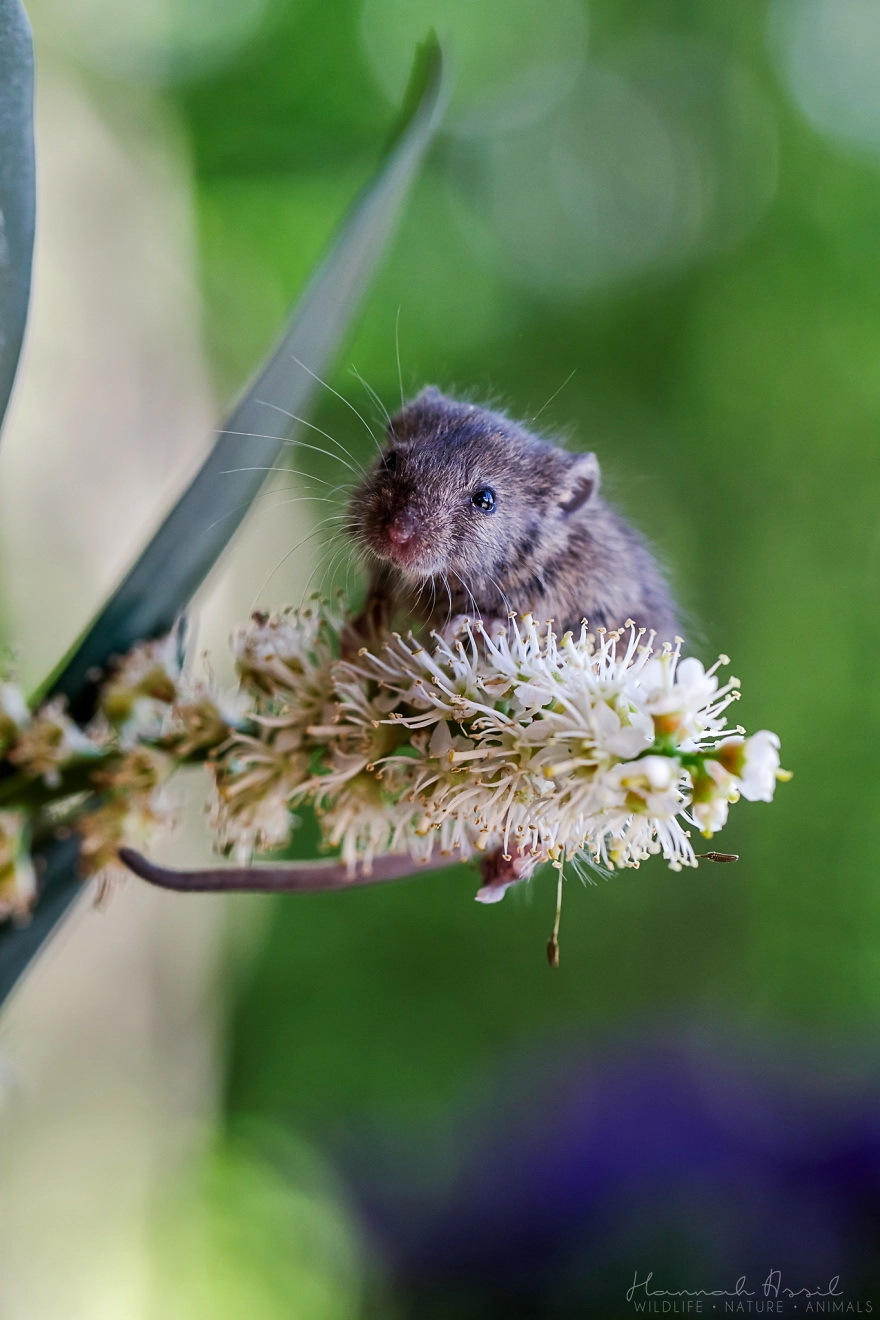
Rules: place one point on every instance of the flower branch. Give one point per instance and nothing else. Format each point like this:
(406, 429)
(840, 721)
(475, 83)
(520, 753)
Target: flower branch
(514, 749)
(295, 877)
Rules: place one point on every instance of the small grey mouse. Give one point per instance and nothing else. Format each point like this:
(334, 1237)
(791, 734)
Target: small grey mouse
(466, 512)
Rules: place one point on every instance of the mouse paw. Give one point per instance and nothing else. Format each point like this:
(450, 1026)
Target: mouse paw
(499, 873)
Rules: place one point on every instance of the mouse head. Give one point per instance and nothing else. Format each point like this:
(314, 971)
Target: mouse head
(462, 490)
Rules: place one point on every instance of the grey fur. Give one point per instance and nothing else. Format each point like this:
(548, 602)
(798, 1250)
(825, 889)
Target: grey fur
(552, 546)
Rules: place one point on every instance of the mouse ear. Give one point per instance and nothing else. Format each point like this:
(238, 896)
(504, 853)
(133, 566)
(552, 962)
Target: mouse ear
(426, 410)
(580, 484)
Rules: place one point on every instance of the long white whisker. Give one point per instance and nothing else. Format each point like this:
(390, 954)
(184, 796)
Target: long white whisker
(329, 554)
(504, 598)
(301, 421)
(257, 435)
(553, 395)
(375, 397)
(331, 517)
(397, 352)
(348, 568)
(449, 595)
(314, 532)
(339, 396)
(280, 490)
(477, 614)
(293, 472)
(339, 556)
(422, 588)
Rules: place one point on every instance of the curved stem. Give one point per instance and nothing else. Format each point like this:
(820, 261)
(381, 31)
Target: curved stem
(297, 877)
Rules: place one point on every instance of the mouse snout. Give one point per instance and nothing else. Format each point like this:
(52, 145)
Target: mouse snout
(403, 538)
(402, 529)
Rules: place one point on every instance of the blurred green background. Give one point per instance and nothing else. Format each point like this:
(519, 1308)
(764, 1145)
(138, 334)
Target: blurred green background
(659, 225)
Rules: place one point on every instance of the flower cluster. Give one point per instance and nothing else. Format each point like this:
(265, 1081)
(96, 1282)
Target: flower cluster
(105, 781)
(524, 743)
(522, 746)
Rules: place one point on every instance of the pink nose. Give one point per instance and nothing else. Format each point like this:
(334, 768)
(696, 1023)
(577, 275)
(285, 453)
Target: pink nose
(402, 529)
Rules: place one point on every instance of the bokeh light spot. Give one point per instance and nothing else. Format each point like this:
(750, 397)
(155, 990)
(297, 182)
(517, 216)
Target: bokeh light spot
(157, 41)
(829, 54)
(658, 158)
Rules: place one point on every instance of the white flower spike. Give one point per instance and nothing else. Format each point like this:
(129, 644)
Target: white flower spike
(520, 744)
(518, 748)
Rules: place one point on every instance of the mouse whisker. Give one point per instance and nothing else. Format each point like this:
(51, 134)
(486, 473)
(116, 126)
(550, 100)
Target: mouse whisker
(429, 582)
(435, 582)
(343, 563)
(343, 490)
(278, 490)
(301, 421)
(306, 589)
(348, 570)
(336, 556)
(449, 597)
(285, 490)
(283, 560)
(553, 395)
(339, 396)
(397, 352)
(293, 472)
(376, 399)
(477, 613)
(300, 444)
(505, 599)
(329, 560)
(329, 554)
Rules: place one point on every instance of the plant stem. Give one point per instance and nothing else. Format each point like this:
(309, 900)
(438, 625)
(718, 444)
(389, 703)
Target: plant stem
(297, 877)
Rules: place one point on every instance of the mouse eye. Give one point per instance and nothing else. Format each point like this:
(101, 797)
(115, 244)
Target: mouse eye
(484, 499)
(389, 460)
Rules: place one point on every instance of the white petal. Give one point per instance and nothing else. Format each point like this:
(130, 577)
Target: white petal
(441, 739)
(628, 742)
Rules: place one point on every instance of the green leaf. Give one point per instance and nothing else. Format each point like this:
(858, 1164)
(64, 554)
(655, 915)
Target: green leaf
(17, 187)
(195, 532)
(59, 886)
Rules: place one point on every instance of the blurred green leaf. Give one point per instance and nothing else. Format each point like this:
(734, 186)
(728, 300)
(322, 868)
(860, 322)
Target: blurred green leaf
(59, 886)
(17, 187)
(202, 522)
(195, 532)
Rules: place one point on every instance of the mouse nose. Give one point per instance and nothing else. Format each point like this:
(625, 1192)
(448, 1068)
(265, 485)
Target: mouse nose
(402, 528)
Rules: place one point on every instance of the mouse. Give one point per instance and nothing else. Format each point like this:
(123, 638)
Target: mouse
(467, 513)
